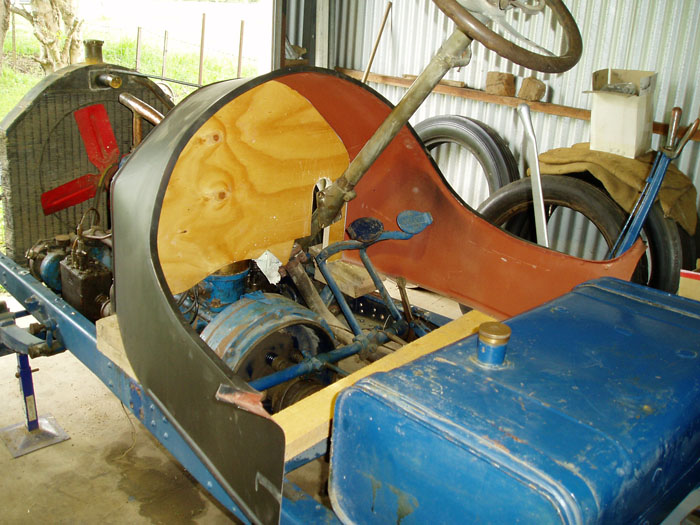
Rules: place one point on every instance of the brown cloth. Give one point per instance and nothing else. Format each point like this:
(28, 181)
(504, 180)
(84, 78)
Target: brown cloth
(624, 179)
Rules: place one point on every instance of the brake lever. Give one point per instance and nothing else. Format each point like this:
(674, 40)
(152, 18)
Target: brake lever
(673, 127)
(686, 137)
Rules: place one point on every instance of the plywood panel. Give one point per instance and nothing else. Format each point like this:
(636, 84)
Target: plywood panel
(244, 183)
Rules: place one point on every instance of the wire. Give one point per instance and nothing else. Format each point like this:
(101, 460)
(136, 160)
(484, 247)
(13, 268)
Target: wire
(133, 433)
(194, 307)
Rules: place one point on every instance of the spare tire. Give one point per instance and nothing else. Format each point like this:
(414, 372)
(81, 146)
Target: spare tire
(481, 141)
(510, 208)
(664, 254)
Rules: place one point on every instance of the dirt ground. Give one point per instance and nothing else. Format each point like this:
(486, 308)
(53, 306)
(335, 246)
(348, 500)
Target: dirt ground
(22, 64)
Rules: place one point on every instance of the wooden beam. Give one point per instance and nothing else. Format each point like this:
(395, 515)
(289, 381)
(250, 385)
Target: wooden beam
(109, 342)
(443, 82)
(322, 32)
(475, 94)
(308, 422)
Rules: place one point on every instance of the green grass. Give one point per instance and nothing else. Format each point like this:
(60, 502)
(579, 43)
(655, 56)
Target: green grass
(121, 51)
(13, 86)
(180, 66)
(25, 42)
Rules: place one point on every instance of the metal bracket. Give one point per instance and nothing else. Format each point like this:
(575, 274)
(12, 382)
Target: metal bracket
(14, 339)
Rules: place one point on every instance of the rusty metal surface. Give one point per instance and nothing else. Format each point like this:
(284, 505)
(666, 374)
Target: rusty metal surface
(462, 256)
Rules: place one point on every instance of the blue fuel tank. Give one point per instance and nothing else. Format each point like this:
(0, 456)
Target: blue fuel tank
(593, 418)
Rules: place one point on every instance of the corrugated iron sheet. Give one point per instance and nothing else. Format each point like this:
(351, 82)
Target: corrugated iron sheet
(652, 35)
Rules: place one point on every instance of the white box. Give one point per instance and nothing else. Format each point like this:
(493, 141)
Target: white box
(621, 123)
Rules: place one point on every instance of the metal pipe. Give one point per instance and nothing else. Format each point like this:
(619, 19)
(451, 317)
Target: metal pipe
(331, 200)
(377, 280)
(405, 303)
(339, 297)
(139, 107)
(240, 51)
(535, 178)
(676, 113)
(159, 77)
(109, 80)
(371, 340)
(376, 43)
(93, 51)
(313, 300)
(139, 110)
(136, 129)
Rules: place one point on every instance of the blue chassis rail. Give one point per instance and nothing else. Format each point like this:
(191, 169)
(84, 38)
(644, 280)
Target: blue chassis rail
(79, 336)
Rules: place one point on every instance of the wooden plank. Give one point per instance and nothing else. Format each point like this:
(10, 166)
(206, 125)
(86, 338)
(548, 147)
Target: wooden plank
(443, 82)
(659, 128)
(109, 342)
(352, 280)
(244, 184)
(475, 94)
(308, 422)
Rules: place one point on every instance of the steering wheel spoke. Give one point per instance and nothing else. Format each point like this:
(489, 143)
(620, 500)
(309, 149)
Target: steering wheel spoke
(470, 24)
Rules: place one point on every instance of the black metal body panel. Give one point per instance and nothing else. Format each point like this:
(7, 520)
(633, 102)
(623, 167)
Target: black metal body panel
(245, 452)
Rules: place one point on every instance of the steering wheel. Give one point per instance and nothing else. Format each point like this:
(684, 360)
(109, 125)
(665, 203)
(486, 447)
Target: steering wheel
(476, 30)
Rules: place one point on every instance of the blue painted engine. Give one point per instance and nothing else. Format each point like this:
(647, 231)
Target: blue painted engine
(263, 332)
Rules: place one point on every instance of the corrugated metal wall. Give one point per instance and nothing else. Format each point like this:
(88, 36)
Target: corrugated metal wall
(655, 35)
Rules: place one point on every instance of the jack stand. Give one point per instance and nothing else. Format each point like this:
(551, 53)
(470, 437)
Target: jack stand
(36, 432)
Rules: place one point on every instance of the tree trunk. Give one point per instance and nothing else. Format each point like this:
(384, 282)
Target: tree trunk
(5, 10)
(57, 28)
(72, 52)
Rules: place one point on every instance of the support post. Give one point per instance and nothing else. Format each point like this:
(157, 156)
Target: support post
(201, 49)
(35, 432)
(165, 53)
(26, 385)
(321, 56)
(240, 51)
(138, 48)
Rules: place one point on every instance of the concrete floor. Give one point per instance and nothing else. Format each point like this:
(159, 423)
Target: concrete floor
(111, 470)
